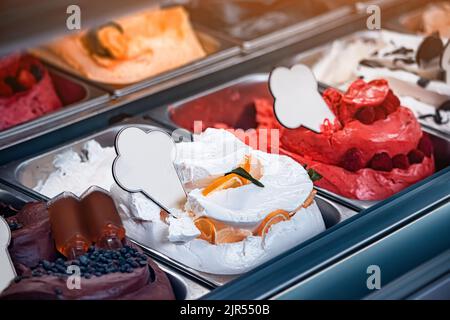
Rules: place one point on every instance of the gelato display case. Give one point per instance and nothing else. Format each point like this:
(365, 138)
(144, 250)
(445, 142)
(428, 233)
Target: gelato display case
(269, 212)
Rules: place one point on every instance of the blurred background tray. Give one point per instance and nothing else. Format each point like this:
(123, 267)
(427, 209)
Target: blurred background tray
(254, 24)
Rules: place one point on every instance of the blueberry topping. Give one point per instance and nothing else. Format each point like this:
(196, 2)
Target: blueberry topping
(96, 262)
(84, 260)
(46, 264)
(14, 225)
(142, 263)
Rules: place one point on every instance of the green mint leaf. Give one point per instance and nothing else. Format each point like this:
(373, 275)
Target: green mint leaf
(244, 174)
(314, 175)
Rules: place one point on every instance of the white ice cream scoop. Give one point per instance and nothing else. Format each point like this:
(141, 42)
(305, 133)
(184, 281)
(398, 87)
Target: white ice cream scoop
(7, 271)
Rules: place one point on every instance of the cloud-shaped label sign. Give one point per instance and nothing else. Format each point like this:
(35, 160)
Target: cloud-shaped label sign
(297, 100)
(144, 163)
(7, 272)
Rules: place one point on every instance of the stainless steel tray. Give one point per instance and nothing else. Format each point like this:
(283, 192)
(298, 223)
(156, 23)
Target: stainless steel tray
(183, 287)
(240, 93)
(27, 172)
(216, 48)
(262, 25)
(76, 97)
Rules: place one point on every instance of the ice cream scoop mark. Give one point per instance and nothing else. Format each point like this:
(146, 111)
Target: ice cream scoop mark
(402, 51)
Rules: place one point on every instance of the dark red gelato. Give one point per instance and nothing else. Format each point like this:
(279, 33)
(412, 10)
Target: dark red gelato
(368, 155)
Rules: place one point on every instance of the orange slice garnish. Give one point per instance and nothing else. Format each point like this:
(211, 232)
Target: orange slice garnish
(207, 229)
(231, 235)
(271, 219)
(234, 180)
(222, 183)
(163, 215)
(247, 163)
(309, 201)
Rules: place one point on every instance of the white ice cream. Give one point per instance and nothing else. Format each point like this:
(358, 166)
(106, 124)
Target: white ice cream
(215, 152)
(76, 172)
(182, 229)
(339, 66)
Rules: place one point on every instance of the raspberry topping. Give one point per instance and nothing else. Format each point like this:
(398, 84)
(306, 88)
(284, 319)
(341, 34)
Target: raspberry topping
(400, 161)
(352, 160)
(381, 162)
(416, 156)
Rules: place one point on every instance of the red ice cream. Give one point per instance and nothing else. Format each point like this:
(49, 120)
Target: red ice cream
(377, 149)
(26, 90)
